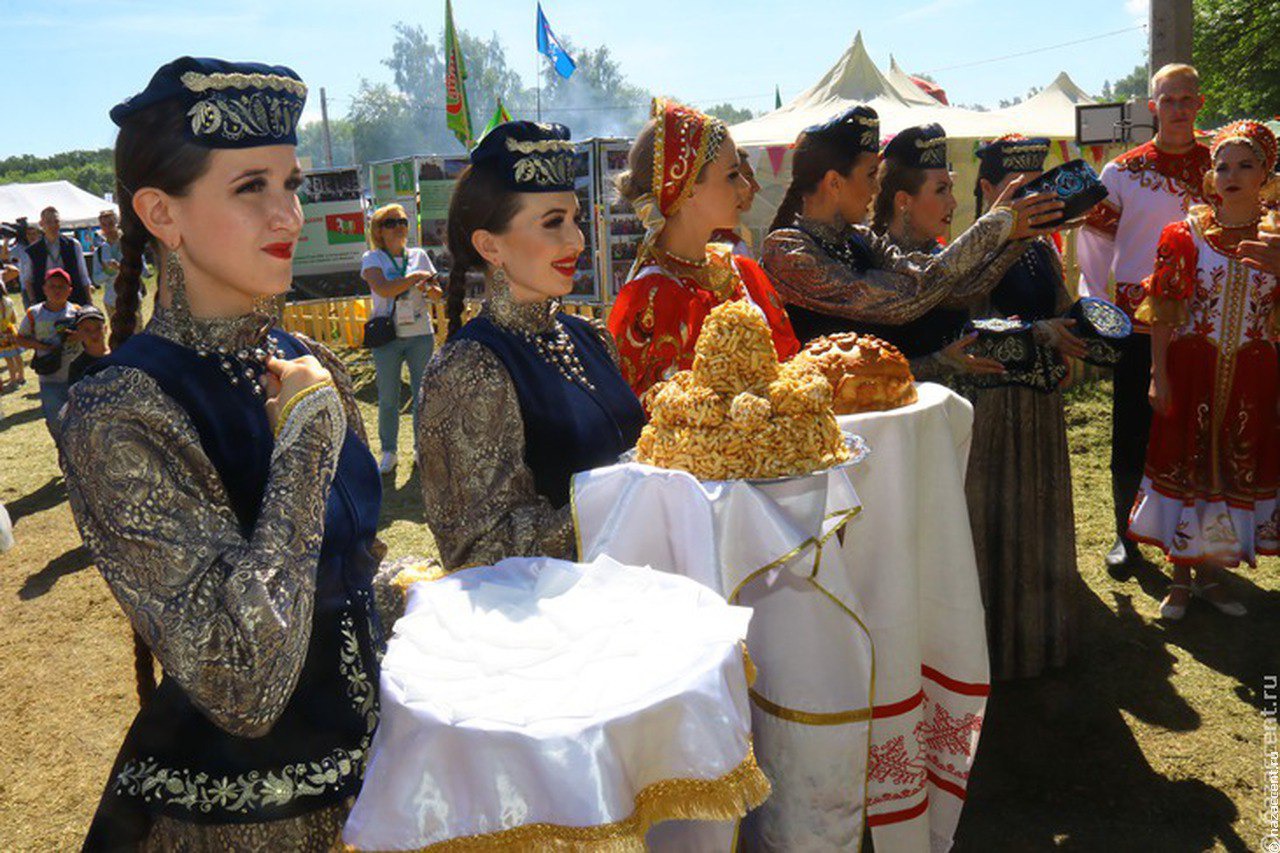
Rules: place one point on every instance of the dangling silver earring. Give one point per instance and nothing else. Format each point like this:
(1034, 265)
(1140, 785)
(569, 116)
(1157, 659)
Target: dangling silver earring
(501, 284)
(175, 282)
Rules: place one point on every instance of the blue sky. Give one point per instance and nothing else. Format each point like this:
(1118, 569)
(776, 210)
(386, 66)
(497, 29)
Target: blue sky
(87, 54)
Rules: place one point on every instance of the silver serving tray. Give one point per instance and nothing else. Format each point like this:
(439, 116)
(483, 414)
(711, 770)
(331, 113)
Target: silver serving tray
(858, 451)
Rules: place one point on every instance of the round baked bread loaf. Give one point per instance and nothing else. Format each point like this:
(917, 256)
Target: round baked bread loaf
(866, 373)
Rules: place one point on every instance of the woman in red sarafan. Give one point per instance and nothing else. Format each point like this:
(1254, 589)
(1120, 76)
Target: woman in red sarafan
(685, 181)
(1208, 496)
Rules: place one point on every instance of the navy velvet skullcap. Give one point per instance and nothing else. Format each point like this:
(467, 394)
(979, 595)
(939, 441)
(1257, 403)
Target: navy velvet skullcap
(857, 127)
(531, 157)
(1012, 153)
(921, 147)
(227, 104)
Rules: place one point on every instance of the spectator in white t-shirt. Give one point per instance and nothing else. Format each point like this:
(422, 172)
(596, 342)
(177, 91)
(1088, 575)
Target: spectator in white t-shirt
(402, 281)
(46, 328)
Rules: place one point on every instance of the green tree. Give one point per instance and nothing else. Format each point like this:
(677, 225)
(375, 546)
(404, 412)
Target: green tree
(417, 65)
(382, 125)
(1237, 53)
(1132, 85)
(91, 171)
(730, 114)
(311, 142)
(597, 100)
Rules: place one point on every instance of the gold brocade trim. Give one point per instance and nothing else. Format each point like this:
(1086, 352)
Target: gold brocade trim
(194, 81)
(810, 718)
(871, 703)
(541, 146)
(725, 798)
(796, 715)
(577, 526)
(842, 518)
(1163, 311)
(827, 718)
(1235, 296)
(298, 398)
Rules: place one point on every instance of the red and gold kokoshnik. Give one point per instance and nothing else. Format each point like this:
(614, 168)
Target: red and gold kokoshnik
(685, 141)
(1258, 137)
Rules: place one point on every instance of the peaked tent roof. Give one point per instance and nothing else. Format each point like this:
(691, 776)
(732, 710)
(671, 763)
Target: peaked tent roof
(911, 92)
(1051, 111)
(76, 208)
(855, 79)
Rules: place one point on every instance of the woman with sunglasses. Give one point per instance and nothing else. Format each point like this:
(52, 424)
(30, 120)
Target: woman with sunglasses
(401, 279)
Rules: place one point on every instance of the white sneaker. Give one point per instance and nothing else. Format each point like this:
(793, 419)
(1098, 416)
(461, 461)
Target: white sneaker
(387, 463)
(1173, 612)
(1228, 607)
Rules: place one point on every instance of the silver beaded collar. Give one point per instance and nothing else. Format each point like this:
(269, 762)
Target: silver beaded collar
(536, 324)
(239, 344)
(519, 316)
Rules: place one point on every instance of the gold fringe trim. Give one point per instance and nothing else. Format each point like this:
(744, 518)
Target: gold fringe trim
(409, 575)
(729, 797)
(1161, 310)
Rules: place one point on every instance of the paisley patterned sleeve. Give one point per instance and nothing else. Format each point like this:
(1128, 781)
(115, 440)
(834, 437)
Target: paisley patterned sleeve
(900, 286)
(228, 617)
(650, 324)
(478, 492)
(1172, 280)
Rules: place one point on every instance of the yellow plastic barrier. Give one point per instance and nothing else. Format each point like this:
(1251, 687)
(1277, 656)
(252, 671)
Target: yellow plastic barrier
(340, 321)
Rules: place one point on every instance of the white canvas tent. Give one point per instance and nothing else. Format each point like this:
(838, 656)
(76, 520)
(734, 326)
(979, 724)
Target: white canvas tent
(76, 208)
(855, 79)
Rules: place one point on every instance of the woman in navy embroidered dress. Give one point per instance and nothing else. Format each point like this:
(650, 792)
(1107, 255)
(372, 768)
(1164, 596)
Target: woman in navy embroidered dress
(523, 396)
(217, 469)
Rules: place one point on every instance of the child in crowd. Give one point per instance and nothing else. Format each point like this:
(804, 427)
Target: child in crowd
(44, 329)
(10, 351)
(89, 330)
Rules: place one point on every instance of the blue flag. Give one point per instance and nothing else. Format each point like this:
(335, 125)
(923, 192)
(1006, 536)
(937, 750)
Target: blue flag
(549, 45)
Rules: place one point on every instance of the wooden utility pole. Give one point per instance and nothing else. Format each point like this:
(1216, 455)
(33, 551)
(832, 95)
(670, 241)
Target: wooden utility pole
(1170, 32)
(324, 124)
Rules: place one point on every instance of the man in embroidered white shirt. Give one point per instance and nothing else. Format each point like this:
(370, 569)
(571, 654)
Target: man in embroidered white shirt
(1150, 187)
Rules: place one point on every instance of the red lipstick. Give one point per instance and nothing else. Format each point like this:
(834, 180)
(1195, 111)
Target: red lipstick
(566, 266)
(284, 251)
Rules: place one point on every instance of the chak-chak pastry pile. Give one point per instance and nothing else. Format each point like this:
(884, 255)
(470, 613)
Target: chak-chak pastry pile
(738, 414)
(866, 373)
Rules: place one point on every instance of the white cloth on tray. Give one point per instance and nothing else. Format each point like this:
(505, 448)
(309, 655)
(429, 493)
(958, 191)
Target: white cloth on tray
(543, 691)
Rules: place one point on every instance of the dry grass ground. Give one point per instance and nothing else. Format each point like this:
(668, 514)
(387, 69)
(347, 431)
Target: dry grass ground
(1151, 740)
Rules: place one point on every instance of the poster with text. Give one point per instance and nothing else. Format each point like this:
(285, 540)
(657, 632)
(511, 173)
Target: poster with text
(333, 223)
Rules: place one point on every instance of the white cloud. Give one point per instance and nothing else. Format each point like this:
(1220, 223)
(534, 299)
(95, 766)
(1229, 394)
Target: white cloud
(1139, 10)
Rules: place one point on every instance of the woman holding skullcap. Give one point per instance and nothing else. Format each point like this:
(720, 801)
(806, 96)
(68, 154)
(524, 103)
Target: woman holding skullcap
(836, 274)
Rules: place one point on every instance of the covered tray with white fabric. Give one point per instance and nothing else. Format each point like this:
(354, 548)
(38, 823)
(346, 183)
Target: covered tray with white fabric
(769, 544)
(543, 704)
